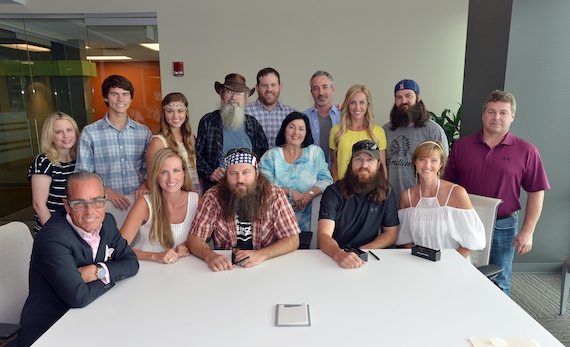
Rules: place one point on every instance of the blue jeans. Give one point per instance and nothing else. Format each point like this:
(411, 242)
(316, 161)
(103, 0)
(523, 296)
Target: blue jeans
(502, 250)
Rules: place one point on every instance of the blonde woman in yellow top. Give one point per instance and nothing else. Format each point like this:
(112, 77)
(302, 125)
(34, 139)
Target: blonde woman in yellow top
(356, 124)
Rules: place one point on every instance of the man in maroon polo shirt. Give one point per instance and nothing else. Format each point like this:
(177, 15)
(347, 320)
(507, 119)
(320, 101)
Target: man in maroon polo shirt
(496, 163)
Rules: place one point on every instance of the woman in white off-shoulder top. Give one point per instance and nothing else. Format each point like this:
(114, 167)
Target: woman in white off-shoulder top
(437, 213)
(162, 218)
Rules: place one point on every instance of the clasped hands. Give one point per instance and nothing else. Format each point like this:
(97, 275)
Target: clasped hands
(300, 200)
(244, 258)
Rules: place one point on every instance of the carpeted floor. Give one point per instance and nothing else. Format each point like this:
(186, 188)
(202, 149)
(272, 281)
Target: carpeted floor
(539, 296)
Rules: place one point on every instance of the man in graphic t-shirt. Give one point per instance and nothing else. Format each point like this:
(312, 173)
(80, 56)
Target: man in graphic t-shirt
(409, 125)
(243, 212)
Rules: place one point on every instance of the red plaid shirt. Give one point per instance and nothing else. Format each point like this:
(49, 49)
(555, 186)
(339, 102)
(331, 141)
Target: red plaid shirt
(279, 222)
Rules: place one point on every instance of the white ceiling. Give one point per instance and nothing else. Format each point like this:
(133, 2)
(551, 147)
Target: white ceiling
(101, 40)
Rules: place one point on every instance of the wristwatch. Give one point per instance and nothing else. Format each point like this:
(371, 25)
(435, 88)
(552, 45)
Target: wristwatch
(101, 272)
(312, 194)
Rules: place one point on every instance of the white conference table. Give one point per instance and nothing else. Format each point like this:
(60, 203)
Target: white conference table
(400, 300)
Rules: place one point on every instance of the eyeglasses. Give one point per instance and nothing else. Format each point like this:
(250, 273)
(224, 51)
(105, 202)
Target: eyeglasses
(80, 205)
(235, 92)
(368, 145)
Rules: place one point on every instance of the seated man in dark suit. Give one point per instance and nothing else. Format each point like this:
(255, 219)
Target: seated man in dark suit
(77, 258)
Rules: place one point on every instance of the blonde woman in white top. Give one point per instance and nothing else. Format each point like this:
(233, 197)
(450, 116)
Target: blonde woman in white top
(436, 213)
(162, 219)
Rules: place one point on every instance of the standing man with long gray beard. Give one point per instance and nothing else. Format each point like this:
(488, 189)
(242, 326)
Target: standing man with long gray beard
(227, 128)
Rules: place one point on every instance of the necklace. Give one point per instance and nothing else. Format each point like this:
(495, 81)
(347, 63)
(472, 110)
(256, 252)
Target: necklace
(292, 158)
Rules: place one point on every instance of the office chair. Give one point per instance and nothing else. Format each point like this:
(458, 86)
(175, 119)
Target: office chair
(487, 209)
(565, 285)
(15, 250)
(316, 206)
(308, 239)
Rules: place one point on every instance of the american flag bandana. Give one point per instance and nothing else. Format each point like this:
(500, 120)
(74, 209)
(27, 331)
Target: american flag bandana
(239, 157)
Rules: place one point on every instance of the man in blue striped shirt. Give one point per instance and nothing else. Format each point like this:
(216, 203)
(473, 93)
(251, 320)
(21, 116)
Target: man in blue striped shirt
(114, 147)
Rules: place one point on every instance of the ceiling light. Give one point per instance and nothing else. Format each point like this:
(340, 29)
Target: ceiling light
(25, 47)
(108, 57)
(153, 46)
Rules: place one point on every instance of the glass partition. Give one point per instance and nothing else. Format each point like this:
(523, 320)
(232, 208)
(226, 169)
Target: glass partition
(50, 64)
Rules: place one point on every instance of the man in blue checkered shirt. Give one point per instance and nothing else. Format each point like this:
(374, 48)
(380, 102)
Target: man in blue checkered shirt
(267, 109)
(114, 147)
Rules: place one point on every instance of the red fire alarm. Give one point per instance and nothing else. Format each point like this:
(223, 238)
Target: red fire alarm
(178, 68)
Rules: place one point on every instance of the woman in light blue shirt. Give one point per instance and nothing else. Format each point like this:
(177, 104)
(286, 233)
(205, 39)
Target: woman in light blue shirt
(297, 166)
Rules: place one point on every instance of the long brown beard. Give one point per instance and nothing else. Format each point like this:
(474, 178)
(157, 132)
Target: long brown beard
(249, 205)
(357, 184)
(401, 117)
(375, 186)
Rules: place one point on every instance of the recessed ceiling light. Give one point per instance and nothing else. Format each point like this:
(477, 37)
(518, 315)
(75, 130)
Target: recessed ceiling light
(25, 47)
(108, 57)
(153, 46)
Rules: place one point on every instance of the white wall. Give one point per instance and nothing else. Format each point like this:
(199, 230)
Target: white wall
(374, 42)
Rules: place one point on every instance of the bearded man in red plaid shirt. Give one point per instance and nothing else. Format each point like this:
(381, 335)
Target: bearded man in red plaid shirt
(244, 213)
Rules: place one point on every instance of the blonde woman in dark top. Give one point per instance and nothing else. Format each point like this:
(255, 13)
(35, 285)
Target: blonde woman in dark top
(50, 169)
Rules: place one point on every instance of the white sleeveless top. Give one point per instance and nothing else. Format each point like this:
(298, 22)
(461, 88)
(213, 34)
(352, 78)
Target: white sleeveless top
(440, 227)
(191, 166)
(179, 231)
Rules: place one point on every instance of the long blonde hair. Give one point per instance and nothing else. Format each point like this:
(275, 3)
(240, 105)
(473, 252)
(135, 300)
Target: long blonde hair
(46, 140)
(345, 121)
(160, 230)
(185, 129)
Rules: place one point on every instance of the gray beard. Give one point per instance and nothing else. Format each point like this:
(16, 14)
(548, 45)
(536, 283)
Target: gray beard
(233, 116)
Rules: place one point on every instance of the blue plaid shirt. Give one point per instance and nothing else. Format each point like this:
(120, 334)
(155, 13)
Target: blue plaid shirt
(270, 120)
(117, 156)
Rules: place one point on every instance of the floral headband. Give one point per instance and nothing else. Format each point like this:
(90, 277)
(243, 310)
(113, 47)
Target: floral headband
(181, 106)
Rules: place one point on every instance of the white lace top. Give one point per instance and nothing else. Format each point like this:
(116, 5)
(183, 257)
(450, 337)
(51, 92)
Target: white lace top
(180, 231)
(440, 227)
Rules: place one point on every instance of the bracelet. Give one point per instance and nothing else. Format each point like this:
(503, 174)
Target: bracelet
(291, 195)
